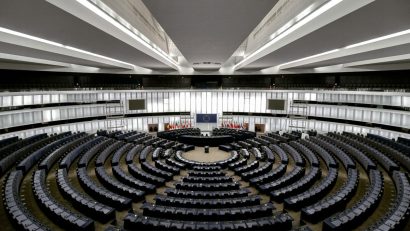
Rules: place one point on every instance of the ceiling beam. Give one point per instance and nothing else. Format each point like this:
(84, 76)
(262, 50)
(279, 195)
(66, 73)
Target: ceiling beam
(389, 59)
(88, 12)
(326, 14)
(25, 40)
(19, 58)
(387, 41)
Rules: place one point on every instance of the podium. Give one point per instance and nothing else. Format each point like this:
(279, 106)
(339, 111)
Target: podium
(206, 149)
(202, 141)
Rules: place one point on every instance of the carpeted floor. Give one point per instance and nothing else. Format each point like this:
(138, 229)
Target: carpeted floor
(199, 154)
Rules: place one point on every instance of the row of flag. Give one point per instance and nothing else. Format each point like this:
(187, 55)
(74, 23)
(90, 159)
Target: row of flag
(179, 125)
(233, 124)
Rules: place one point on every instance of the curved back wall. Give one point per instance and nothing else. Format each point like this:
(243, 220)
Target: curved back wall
(386, 112)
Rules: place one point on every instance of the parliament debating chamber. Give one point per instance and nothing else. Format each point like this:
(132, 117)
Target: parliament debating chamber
(259, 115)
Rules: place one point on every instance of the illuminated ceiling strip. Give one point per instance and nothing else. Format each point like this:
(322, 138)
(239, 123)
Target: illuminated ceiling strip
(283, 66)
(26, 59)
(405, 32)
(126, 30)
(58, 66)
(339, 68)
(389, 59)
(291, 29)
(107, 24)
(311, 8)
(242, 51)
(391, 40)
(25, 40)
(315, 20)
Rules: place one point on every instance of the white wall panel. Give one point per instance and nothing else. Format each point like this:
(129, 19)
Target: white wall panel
(406, 101)
(367, 115)
(235, 102)
(182, 101)
(46, 116)
(377, 98)
(17, 100)
(217, 102)
(241, 102)
(385, 118)
(45, 99)
(28, 100)
(214, 104)
(247, 101)
(38, 99)
(154, 102)
(263, 106)
(229, 102)
(188, 101)
(358, 115)
(207, 101)
(406, 121)
(252, 101)
(32, 116)
(197, 103)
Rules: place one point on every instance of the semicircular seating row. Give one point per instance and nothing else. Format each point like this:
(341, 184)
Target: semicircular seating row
(336, 180)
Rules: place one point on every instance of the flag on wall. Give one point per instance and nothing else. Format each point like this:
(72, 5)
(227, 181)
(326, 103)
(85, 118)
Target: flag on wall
(233, 124)
(178, 125)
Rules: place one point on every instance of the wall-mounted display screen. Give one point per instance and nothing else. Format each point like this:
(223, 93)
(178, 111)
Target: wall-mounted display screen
(206, 118)
(136, 104)
(276, 104)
